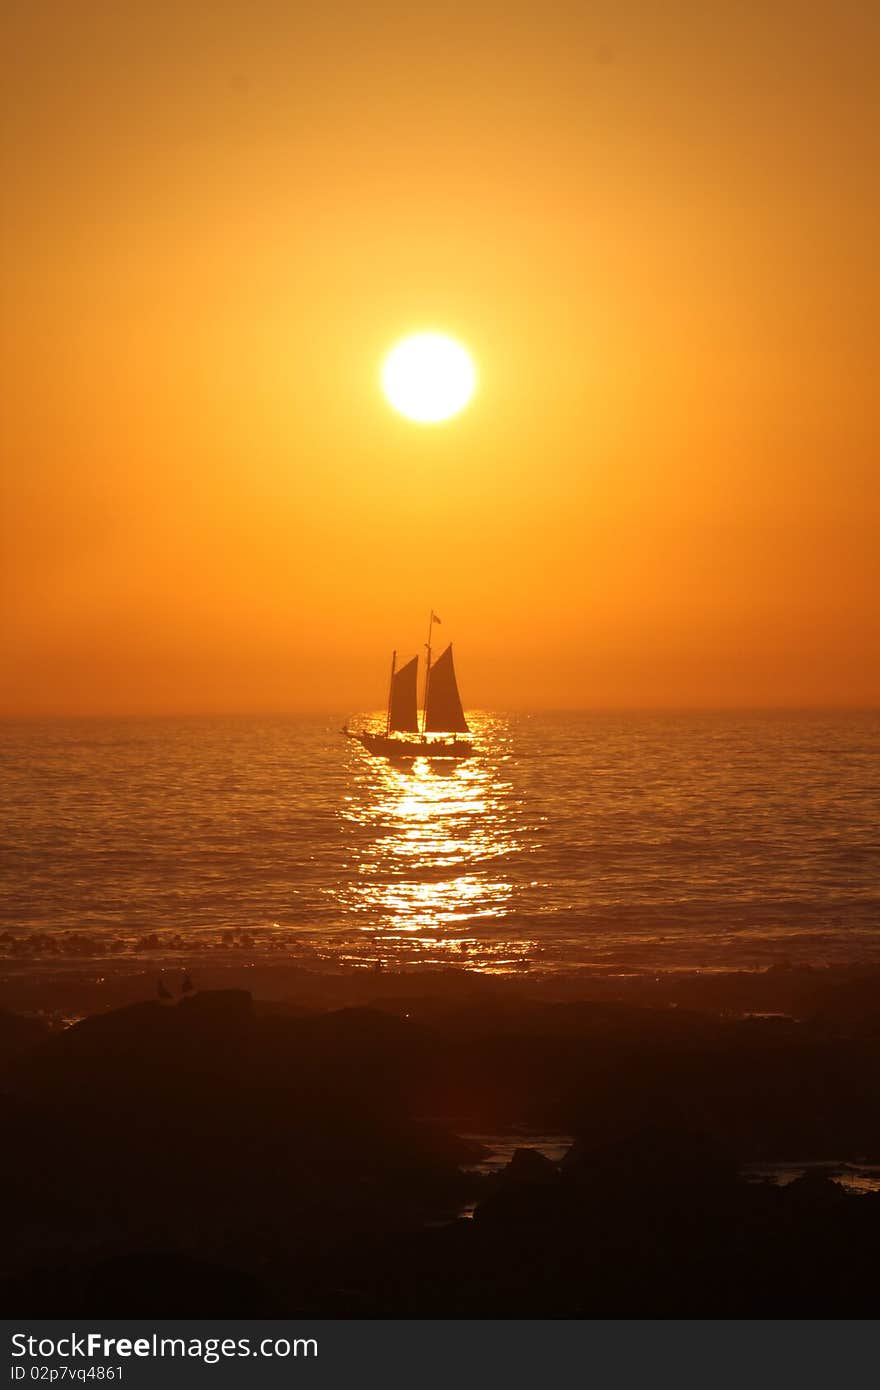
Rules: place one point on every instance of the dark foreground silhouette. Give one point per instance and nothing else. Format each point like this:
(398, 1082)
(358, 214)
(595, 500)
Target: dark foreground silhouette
(212, 1155)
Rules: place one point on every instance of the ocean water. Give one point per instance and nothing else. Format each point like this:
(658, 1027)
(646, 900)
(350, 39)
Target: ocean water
(615, 842)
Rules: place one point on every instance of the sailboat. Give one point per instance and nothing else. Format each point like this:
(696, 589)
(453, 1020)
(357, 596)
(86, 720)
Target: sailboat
(442, 721)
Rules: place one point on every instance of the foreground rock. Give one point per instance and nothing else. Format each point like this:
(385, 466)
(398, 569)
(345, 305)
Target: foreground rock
(213, 1154)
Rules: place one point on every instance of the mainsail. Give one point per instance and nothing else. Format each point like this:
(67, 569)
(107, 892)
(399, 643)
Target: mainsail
(403, 705)
(443, 711)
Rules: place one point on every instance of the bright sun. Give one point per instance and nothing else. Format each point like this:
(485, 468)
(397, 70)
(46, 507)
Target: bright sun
(428, 378)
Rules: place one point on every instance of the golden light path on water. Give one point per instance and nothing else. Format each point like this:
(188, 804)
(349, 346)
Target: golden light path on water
(431, 884)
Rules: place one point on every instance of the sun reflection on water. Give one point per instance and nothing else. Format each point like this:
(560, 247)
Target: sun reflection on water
(432, 846)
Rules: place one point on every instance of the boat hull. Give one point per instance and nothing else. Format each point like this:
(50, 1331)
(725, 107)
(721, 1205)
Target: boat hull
(407, 749)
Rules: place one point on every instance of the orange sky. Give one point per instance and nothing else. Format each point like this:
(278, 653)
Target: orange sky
(656, 227)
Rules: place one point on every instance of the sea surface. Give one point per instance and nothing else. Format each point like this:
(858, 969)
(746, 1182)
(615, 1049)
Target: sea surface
(610, 842)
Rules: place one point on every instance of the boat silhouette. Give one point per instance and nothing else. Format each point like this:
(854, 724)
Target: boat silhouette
(438, 733)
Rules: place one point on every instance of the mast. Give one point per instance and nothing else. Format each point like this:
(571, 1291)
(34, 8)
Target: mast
(390, 693)
(427, 672)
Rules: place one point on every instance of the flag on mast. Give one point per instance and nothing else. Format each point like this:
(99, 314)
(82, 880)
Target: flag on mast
(434, 618)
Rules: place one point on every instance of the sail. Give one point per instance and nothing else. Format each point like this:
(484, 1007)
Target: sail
(443, 711)
(403, 708)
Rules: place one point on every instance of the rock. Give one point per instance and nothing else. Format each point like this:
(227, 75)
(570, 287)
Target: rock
(19, 1033)
(169, 1285)
(529, 1168)
(815, 1188)
(655, 1158)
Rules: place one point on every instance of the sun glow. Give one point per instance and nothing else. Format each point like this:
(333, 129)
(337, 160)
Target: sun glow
(428, 378)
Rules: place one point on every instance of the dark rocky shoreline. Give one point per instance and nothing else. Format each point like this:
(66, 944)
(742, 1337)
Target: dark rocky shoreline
(81, 985)
(231, 1153)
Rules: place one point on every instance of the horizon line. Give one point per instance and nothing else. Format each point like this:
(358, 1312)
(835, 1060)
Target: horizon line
(820, 707)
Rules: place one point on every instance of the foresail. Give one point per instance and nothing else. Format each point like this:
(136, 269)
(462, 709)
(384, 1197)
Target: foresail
(403, 715)
(443, 711)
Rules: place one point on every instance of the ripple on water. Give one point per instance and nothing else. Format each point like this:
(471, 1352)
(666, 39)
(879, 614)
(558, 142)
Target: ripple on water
(617, 842)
